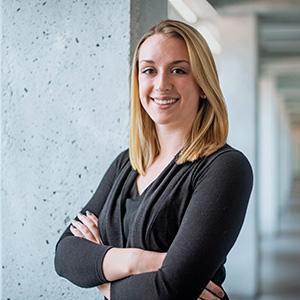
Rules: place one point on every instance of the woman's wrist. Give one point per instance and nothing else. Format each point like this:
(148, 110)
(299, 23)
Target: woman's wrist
(119, 263)
(135, 257)
(146, 261)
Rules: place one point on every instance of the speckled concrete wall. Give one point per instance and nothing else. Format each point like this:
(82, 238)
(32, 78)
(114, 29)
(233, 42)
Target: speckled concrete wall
(1, 159)
(65, 116)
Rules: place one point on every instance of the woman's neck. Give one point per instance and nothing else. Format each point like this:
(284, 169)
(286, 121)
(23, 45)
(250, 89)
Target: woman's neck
(171, 141)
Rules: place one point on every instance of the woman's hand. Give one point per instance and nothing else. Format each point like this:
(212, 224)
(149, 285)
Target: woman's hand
(105, 290)
(87, 228)
(212, 292)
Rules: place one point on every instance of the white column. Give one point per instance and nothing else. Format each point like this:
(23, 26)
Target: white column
(269, 163)
(237, 66)
(296, 149)
(285, 157)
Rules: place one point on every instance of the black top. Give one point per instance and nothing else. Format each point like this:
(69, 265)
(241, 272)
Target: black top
(194, 211)
(130, 206)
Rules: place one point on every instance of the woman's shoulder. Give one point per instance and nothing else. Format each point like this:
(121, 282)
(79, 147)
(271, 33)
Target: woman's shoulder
(121, 159)
(226, 154)
(227, 161)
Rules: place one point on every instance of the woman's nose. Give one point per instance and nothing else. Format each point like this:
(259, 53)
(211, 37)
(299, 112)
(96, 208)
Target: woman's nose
(163, 82)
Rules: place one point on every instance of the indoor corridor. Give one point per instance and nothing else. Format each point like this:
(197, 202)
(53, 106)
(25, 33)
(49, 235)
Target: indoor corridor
(280, 267)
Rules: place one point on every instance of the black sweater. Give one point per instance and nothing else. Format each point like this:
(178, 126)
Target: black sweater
(194, 211)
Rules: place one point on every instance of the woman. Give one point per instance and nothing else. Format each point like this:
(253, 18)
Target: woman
(171, 207)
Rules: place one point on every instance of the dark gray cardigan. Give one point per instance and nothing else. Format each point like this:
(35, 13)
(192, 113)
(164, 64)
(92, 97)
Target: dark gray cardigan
(194, 211)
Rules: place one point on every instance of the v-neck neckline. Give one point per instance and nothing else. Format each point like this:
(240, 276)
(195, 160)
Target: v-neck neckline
(156, 178)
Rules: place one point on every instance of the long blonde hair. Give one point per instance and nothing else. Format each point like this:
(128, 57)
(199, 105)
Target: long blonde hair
(210, 127)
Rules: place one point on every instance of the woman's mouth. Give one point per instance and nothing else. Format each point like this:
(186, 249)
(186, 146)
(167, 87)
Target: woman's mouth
(165, 101)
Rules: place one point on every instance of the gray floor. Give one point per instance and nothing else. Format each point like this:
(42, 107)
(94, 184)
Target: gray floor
(280, 274)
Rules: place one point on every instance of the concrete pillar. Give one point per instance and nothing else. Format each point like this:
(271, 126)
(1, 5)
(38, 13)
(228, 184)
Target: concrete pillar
(65, 116)
(237, 67)
(285, 157)
(1, 135)
(269, 156)
(143, 15)
(296, 149)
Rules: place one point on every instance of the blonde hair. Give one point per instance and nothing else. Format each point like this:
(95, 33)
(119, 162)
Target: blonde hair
(210, 127)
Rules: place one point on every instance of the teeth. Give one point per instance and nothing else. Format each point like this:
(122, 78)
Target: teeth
(165, 101)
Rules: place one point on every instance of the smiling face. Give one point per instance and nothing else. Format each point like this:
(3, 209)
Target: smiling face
(167, 89)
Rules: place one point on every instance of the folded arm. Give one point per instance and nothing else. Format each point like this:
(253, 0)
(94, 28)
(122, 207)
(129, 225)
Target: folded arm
(210, 227)
(120, 263)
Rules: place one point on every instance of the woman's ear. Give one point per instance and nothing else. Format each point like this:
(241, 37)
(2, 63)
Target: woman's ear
(202, 94)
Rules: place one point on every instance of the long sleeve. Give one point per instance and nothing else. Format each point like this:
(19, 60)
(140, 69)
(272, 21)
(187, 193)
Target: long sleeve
(80, 260)
(210, 226)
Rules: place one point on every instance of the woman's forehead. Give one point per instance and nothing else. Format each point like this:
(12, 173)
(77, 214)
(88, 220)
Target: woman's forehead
(162, 47)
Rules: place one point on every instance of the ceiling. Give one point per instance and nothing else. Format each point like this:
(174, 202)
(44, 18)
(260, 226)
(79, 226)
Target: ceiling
(278, 24)
(278, 42)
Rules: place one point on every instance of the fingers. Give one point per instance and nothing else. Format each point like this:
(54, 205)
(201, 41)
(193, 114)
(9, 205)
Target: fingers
(76, 232)
(91, 226)
(215, 289)
(86, 228)
(84, 231)
(212, 292)
(92, 217)
(207, 295)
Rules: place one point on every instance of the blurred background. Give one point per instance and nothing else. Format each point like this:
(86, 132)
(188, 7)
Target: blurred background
(65, 67)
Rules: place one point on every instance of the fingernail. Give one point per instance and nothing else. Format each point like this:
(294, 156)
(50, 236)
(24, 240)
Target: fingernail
(88, 213)
(221, 294)
(79, 215)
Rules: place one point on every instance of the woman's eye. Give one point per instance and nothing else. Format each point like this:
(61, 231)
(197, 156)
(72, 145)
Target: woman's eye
(178, 71)
(147, 71)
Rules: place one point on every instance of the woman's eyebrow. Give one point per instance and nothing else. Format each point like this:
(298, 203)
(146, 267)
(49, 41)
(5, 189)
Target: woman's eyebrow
(146, 61)
(179, 61)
